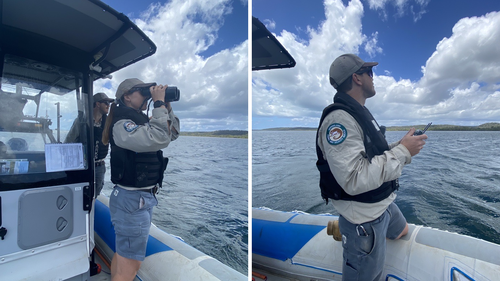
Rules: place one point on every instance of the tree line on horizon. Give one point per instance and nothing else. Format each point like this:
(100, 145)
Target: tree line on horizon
(219, 133)
(492, 126)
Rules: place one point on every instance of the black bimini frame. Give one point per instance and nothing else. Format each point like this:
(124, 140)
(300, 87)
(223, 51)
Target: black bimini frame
(75, 34)
(267, 51)
(85, 36)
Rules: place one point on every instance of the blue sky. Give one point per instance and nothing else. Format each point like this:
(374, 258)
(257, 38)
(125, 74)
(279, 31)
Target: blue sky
(231, 32)
(439, 61)
(202, 48)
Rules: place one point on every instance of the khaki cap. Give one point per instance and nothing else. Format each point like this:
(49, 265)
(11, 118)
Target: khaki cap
(130, 83)
(102, 96)
(344, 66)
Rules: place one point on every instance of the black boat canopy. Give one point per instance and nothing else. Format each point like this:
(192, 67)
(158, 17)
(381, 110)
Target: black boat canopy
(76, 34)
(267, 51)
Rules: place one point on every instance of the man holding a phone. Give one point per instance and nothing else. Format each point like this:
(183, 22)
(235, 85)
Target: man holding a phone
(359, 170)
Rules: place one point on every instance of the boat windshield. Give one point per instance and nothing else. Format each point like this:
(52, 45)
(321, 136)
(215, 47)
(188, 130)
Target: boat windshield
(39, 103)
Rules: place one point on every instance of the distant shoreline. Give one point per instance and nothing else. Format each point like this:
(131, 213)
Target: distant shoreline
(244, 134)
(484, 127)
(219, 134)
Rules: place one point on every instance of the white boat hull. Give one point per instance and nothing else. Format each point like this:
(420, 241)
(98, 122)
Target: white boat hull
(295, 246)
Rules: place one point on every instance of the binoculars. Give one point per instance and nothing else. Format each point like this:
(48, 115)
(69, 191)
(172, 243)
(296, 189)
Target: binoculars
(172, 93)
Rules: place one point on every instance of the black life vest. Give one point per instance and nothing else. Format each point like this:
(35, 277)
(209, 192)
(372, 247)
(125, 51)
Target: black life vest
(374, 142)
(132, 169)
(101, 150)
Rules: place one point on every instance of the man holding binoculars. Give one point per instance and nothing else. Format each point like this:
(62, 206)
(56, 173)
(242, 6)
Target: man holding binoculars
(137, 166)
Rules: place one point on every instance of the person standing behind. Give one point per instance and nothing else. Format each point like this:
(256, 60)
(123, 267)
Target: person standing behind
(137, 167)
(101, 108)
(359, 170)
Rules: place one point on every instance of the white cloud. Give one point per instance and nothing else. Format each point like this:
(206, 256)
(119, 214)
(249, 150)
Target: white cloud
(212, 88)
(459, 85)
(417, 10)
(371, 46)
(301, 90)
(270, 24)
(471, 54)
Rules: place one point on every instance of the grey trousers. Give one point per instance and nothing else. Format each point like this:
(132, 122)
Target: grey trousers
(365, 244)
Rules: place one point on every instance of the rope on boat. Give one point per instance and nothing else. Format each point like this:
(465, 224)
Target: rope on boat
(102, 258)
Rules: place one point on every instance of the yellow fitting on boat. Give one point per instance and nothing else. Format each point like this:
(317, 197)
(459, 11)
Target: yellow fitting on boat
(334, 230)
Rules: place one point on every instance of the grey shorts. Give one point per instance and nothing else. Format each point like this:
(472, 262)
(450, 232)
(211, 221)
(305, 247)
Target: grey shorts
(131, 212)
(365, 244)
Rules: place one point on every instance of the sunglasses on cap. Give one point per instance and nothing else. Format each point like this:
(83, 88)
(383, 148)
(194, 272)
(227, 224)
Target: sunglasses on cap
(367, 70)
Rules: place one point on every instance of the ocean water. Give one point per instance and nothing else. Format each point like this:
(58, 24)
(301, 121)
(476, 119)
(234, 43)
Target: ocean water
(453, 184)
(204, 199)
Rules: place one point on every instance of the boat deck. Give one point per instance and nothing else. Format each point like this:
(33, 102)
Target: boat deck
(259, 274)
(264, 275)
(105, 274)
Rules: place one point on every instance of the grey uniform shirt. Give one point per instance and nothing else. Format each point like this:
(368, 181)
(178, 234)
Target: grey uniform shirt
(149, 137)
(354, 173)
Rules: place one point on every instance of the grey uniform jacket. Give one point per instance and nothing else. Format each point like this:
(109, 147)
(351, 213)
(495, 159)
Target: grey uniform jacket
(354, 173)
(163, 128)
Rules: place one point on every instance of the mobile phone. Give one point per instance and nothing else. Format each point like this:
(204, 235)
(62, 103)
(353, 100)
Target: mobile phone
(421, 132)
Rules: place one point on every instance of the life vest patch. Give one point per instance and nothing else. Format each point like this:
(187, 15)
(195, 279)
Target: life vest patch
(336, 134)
(130, 126)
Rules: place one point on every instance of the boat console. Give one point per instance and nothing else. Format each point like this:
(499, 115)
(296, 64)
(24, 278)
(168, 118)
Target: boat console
(51, 52)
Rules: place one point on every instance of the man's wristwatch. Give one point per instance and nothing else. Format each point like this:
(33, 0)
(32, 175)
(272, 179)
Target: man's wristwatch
(159, 103)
